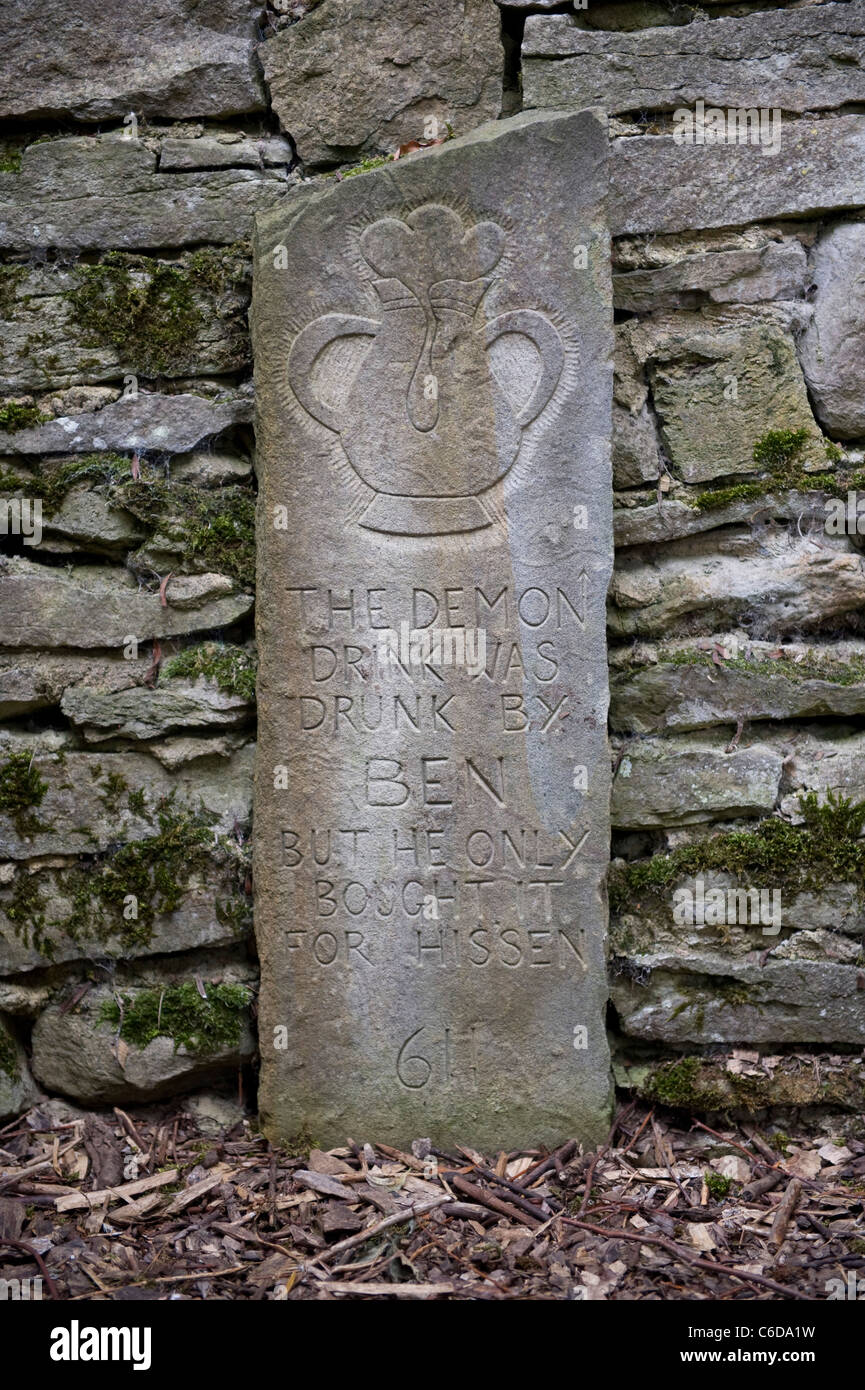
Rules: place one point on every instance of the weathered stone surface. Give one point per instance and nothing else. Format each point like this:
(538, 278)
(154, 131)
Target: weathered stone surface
(210, 913)
(97, 606)
(218, 469)
(373, 993)
(681, 781)
(826, 925)
(354, 78)
(170, 424)
(157, 59)
(117, 199)
(779, 1002)
(700, 1084)
(641, 518)
(636, 458)
(142, 713)
(795, 60)
(657, 185)
(77, 1053)
(697, 693)
(832, 347)
(85, 806)
(45, 344)
(36, 680)
(17, 1091)
(775, 585)
(88, 519)
(824, 759)
(205, 153)
(776, 271)
(721, 379)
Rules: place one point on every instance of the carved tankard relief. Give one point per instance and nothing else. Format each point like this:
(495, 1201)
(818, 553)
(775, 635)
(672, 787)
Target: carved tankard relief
(430, 399)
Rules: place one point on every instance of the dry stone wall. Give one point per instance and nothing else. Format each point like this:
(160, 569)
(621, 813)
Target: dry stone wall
(135, 153)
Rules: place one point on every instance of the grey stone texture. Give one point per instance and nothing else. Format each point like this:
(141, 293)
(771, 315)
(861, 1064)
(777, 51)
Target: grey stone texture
(360, 77)
(93, 606)
(657, 185)
(86, 803)
(116, 198)
(466, 1019)
(146, 420)
(161, 59)
(832, 346)
(79, 1054)
(809, 59)
(720, 685)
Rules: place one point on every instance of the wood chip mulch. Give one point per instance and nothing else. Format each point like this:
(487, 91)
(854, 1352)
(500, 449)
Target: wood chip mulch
(111, 1206)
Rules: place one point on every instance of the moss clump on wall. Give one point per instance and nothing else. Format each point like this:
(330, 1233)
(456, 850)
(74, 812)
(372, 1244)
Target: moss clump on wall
(215, 529)
(814, 666)
(179, 1012)
(20, 415)
(826, 849)
(678, 1084)
(151, 311)
(122, 892)
(777, 453)
(21, 789)
(231, 668)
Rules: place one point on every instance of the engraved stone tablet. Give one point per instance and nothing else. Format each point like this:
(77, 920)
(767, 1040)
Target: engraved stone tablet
(433, 369)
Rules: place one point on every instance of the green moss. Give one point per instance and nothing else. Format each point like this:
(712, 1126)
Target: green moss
(364, 167)
(231, 668)
(778, 448)
(121, 892)
(137, 802)
(21, 788)
(27, 910)
(814, 666)
(18, 415)
(834, 452)
(11, 162)
(826, 849)
(215, 529)
(151, 311)
(677, 1084)
(777, 453)
(179, 1012)
(8, 1055)
(97, 470)
(719, 1187)
(110, 794)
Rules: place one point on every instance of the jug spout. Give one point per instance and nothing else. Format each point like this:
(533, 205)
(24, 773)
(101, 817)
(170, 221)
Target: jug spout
(423, 392)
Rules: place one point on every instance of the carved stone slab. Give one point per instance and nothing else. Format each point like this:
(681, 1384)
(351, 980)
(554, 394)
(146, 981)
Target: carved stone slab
(432, 345)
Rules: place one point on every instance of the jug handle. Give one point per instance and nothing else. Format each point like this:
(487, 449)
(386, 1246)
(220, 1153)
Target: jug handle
(548, 343)
(306, 347)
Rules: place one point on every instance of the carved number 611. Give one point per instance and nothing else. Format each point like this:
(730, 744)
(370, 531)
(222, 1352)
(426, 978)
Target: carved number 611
(413, 1069)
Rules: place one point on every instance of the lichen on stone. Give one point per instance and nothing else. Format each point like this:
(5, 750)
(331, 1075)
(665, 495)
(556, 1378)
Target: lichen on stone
(21, 789)
(826, 849)
(149, 310)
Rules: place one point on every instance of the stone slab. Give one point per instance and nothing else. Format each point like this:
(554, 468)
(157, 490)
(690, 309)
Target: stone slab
(431, 971)
(354, 78)
(657, 185)
(157, 59)
(795, 60)
(115, 198)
